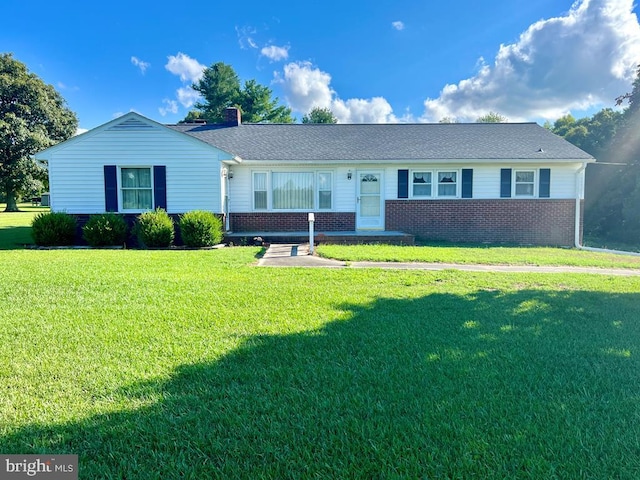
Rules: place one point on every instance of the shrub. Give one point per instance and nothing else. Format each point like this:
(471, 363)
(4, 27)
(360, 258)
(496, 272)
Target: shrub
(105, 230)
(199, 228)
(154, 229)
(53, 229)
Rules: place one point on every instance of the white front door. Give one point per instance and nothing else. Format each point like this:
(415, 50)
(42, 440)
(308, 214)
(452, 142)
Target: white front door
(370, 201)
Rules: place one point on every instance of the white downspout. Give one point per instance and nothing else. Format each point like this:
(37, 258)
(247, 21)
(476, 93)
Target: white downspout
(227, 221)
(579, 192)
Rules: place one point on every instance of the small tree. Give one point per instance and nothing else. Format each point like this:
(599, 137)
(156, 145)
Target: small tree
(319, 115)
(491, 117)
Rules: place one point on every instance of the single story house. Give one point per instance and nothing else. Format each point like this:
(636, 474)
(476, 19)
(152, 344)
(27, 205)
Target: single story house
(480, 182)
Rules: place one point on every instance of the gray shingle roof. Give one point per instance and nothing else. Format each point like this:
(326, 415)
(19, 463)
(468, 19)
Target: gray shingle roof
(376, 142)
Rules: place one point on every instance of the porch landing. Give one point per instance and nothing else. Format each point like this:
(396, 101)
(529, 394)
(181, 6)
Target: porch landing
(355, 237)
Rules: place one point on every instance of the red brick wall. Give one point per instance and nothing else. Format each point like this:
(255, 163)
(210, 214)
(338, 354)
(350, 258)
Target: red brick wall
(538, 222)
(292, 222)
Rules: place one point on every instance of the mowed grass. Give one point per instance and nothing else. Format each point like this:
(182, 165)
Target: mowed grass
(194, 364)
(15, 227)
(485, 254)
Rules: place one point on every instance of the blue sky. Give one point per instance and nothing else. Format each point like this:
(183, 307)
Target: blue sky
(382, 61)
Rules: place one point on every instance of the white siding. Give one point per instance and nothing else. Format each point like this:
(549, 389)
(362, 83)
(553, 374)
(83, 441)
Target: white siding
(486, 180)
(193, 169)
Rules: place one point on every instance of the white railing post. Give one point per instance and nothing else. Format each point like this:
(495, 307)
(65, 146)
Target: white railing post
(311, 220)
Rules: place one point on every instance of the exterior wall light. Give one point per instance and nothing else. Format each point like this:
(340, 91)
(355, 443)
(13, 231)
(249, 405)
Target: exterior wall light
(349, 175)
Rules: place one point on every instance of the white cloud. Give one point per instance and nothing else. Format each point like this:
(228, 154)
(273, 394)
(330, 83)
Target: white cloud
(398, 25)
(140, 64)
(187, 68)
(187, 96)
(190, 71)
(581, 60)
(80, 131)
(358, 110)
(171, 106)
(274, 53)
(245, 37)
(307, 87)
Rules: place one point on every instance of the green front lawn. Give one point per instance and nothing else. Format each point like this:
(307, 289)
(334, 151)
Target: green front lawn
(486, 254)
(194, 364)
(15, 227)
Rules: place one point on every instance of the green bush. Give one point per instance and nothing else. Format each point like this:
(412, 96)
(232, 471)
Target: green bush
(53, 229)
(154, 229)
(105, 230)
(199, 228)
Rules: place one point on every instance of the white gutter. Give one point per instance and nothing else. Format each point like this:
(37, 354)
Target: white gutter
(579, 190)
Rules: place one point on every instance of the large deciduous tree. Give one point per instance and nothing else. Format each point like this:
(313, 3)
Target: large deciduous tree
(33, 116)
(220, 88)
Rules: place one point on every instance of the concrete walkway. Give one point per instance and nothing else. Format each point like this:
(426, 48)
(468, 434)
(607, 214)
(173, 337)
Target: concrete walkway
(297, 255)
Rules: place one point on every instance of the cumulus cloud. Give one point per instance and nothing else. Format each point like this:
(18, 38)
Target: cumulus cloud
(170, 106)
(581, 60)
(398, 25)
(306, 87)
(140, 64)
(274, 53)
(187, 68)
(187, 96)
(190, 71)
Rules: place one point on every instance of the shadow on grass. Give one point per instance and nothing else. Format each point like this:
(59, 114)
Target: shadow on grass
(14, 238)
(534, 384)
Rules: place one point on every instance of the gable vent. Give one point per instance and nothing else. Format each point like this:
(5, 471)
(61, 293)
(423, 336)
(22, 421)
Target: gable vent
(132, 124)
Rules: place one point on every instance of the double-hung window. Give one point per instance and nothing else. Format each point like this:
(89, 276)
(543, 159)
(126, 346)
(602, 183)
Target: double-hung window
(447, 184)
(421, 184)
(524, 181)
(136, 188)
(260, 190)
(325, 189)
(302, 190)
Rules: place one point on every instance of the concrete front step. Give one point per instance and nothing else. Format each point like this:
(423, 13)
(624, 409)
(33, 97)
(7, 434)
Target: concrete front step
(252, 238)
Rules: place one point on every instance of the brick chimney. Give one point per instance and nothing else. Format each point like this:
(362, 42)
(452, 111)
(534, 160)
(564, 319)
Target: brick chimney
(232, 116)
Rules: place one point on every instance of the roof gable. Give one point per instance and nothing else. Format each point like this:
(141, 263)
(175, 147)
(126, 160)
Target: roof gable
(129, 122)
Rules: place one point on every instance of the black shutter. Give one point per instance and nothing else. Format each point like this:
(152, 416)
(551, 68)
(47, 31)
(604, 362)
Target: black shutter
(467, 183)
(505, 182)
(403, 183)
(110, 188)
(544, 190)
(160, 186)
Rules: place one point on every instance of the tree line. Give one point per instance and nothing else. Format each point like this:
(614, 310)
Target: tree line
(612, 199)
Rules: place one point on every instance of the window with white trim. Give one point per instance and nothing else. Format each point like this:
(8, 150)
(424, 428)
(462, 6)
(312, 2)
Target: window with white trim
(260, 190)
(421, 184)
(325, 190)
(292, 190)
(524, 183)
(301, 190)
(136, 188)
(447, 184)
